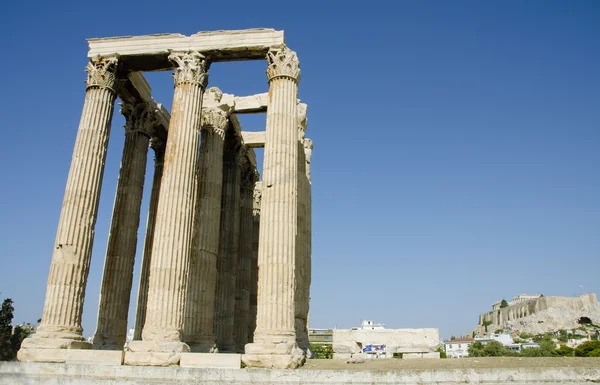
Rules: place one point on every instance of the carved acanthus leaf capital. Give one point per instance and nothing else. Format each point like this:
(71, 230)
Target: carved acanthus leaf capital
(192, 68)
(216, 120)
(140, 117)
(283, 62)
(102, 72)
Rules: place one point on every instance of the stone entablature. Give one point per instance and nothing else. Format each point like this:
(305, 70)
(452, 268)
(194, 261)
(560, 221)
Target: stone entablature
(208, 269)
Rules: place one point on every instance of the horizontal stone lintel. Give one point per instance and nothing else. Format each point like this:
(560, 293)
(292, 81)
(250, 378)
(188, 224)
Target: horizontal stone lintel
(150, 52)
(251, 104)
(254, 139)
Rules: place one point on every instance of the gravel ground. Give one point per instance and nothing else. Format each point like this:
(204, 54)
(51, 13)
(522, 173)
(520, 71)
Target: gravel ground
(484, 362)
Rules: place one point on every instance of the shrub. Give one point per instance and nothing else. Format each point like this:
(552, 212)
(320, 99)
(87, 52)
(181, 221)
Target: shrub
(563, 351)
(586, 348)
(525, 335)
(322, 351)
(442, 352)
(594, 353)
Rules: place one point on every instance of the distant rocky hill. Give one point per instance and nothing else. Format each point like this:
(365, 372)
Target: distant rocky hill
(541, 315)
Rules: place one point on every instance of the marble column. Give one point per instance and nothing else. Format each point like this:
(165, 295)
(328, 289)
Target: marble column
(275, 336)
(158, 146)
(198, 324)
(302, 254)
(115, 291)
(254, 260)
(307, 149)
(163, 330)
(242, 298)
(60, 326)
(224, 318)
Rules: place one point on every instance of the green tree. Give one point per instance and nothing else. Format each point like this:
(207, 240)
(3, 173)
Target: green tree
(586, 348)
(19, 334)
(503, 304)
(476, 349)
(563, 351)
(322, 351)
(6, 330)
(486, 324)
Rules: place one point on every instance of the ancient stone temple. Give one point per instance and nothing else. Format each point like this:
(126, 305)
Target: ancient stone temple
(226, 261)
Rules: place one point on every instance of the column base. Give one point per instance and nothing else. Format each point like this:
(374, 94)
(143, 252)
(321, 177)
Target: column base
(108, 342)
(280, 355)
(151, 353)
(45, 349)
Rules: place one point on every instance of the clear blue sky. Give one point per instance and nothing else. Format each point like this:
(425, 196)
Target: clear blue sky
(456, 155)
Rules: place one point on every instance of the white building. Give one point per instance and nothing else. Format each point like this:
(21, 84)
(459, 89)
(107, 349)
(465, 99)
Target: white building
(458, 347)
(370, 325)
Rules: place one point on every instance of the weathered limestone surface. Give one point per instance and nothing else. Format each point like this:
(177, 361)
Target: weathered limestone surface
(242, 298)
(254, 139)
(254, 260)
(115, 292)
(275, 337)
(251, 104)
(14, 373)
(150, 52)
(542, 315)
(162, 335)
(302, 273)
(61, 320)
(198, 325)
(211, 360)
(395, 340)
(140, 315)
(224, 319)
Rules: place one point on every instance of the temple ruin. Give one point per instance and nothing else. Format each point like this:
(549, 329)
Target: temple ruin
(227, 257)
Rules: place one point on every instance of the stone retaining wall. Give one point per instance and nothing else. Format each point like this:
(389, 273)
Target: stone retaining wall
(14, 373)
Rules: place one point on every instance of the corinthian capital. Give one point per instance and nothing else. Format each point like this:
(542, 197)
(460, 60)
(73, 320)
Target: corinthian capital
(102, 72)
(192, 68)
(283, 62)
(216, 120)
(140, 117)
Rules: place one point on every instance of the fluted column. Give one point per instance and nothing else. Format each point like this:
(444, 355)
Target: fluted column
(307, 150)
(254, 259)
(163, 329)
(242, 298)
(302, 253)
(158, 146)
(115, 291)
(60, 326)
(198, 324)
(275, 337)
(224, 318)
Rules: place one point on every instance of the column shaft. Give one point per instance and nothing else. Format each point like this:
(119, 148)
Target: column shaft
(301, 263)
(242, 298)
(199, 319)
(163, 329)
(224, 319)
(115, 291)
(142, 298)
(254, 260)
(60, 326)
(275, 337)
